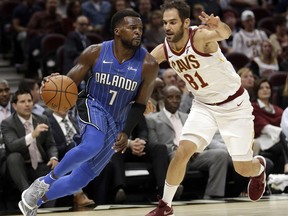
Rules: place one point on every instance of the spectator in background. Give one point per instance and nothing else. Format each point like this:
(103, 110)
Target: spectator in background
(33, 86)
(269, 139)
(73, 12)
(62, 8)
(157, 95)
(247, 81)
(211, 7)
(248, 39)
(144, 9)
(140, 150)
(165, 127)
(98, 12)
(21, 16)
(64, 128)
(196, 10)
(241, 5)
(75, 43)
(155, 34)
(5, 95)
(187, 96)
(230, 18)
(266, 63)
(116, 6)
(45, 22)
(169, 77)
(31, 149)
(41, 24)
(279, 39)
(5, 111)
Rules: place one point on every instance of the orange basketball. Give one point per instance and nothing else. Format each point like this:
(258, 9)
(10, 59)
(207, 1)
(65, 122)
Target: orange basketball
(60, 93)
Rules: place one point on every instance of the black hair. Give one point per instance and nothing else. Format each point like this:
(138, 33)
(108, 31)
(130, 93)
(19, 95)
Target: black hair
(20, 92)
(180, 5)
(69, 8)
(118, 17)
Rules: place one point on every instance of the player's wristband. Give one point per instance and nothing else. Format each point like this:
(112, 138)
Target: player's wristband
(134, 117)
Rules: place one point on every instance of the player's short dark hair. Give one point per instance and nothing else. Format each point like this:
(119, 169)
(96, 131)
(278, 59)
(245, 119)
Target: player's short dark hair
(180, 5)
(118, 17)
(14, 98)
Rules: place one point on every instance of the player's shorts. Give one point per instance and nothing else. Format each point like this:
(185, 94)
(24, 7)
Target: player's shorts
(92, 113)
(233, 119)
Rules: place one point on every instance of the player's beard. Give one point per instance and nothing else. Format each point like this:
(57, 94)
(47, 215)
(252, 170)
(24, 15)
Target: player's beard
(130, 44)
(178, 35)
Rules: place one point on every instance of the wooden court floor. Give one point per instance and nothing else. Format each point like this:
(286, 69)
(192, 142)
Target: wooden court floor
(274, 205)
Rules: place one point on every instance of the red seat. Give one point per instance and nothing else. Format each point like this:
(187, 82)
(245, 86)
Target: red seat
(267, 23)
(6, 9)
(260, 13)
(94, 38)
(60, 59)
(49, 45)
(278, 79)
(51, 42)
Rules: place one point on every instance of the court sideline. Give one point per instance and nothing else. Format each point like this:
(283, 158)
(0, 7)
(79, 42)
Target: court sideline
(272, 205)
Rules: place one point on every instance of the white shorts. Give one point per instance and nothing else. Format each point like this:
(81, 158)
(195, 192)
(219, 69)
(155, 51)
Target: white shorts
(234, 120)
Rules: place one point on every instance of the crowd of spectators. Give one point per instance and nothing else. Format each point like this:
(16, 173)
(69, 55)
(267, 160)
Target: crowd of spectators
(85, 22)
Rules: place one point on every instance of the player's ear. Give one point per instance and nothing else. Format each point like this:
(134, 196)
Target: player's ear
(116, 31)
(187, 22)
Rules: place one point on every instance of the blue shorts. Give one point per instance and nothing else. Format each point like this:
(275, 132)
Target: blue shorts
(91, 113)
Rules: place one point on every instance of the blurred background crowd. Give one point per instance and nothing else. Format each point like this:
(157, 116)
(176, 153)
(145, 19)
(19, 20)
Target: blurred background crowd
(38, 37)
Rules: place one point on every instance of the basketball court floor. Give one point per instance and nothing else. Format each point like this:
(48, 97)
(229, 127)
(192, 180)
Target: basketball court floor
(267, 206)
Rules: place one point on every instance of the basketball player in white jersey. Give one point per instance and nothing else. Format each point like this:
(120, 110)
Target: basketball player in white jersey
(220, 102)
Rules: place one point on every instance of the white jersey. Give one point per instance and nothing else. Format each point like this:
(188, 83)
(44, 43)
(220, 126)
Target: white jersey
(210, 77)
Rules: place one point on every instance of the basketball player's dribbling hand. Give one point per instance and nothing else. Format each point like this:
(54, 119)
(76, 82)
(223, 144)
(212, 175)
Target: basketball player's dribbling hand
(46, 79)
(121, 142)
(211, 22)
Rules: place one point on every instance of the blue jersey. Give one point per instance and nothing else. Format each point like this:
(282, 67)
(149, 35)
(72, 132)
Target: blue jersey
(112, 87)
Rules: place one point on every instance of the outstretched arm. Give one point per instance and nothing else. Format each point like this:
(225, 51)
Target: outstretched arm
(207, 35)
(214, 29)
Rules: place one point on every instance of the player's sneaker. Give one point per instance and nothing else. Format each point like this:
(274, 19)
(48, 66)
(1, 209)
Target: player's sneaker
(257, 184)
(36, 190)
(26, 211)
(161, 210)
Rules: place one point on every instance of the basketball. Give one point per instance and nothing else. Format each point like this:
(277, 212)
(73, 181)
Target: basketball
(59, 93)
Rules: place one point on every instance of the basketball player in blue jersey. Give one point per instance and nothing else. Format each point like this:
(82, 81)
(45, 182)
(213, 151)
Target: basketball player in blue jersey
(121, 82)
(220, 102)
